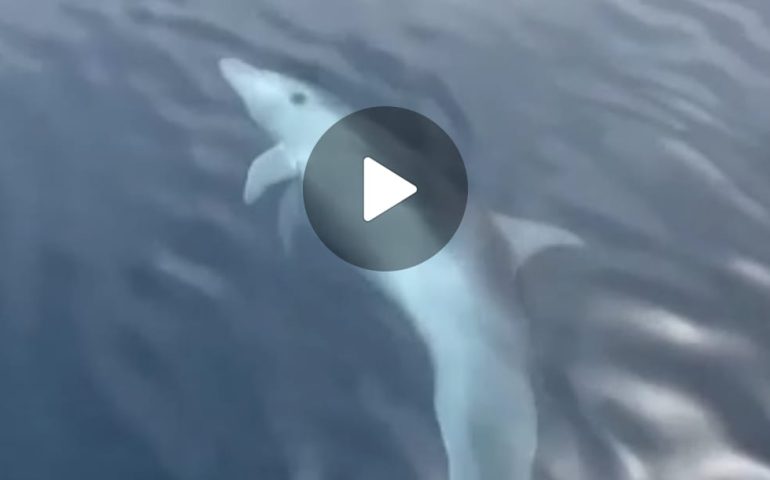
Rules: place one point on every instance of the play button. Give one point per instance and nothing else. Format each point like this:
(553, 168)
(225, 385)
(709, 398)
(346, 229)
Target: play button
(385, 188)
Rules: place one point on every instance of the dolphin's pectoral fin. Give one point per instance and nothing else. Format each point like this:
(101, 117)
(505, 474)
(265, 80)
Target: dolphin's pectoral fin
(528, 237)
(269, 168)
(289, 214)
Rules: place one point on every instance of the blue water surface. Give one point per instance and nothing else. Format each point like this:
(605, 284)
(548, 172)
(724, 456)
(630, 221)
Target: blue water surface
(152, 328)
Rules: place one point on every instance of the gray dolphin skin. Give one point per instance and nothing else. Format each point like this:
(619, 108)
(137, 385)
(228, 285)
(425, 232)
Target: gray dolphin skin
(461, 301)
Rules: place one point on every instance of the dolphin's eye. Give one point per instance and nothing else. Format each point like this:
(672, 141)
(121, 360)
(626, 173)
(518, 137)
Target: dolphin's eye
(298, 98)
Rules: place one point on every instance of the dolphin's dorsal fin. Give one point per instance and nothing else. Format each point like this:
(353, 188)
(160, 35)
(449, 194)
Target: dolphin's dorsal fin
(528, 237)
(270, 167)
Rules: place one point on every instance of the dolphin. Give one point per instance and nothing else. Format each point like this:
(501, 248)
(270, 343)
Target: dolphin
(461, 301)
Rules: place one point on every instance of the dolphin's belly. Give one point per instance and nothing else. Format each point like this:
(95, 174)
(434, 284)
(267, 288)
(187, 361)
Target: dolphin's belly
(483, 400)
(450, 309)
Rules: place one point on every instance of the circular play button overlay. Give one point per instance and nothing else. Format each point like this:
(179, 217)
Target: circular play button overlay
(385, 188)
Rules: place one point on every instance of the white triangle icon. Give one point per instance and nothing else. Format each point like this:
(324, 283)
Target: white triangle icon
(383, 189)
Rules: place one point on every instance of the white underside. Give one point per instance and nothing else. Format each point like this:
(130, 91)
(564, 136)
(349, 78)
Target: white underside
(483, 400)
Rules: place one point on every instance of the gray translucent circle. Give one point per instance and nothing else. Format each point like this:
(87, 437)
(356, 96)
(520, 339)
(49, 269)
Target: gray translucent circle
(412, 146)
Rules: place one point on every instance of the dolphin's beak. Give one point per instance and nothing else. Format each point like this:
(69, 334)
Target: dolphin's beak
(236, 73)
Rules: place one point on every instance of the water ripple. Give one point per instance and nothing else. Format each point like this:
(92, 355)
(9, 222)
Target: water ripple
(150, 330)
